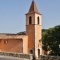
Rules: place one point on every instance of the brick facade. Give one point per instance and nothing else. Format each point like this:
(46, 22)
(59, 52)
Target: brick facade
(29, 42)
(13, 43)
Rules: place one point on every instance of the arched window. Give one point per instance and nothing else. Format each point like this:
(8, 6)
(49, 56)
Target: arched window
(38, 20)
(30, 20)
(31, 51)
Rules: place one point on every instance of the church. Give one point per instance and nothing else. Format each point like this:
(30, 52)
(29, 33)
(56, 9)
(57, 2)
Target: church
(28, 42)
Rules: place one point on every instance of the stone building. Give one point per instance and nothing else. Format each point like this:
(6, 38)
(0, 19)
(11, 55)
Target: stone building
(25, 42)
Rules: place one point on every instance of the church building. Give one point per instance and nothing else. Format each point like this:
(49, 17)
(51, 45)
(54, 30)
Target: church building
(28, 42)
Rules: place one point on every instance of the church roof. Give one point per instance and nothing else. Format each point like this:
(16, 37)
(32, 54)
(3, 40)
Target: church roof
(22, 33)
(19, 33)
(33, 8)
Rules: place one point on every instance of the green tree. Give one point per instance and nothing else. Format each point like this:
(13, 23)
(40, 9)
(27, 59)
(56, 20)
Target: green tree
(51, 40)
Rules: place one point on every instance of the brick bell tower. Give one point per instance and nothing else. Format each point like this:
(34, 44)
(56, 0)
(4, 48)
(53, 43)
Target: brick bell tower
(33, 30)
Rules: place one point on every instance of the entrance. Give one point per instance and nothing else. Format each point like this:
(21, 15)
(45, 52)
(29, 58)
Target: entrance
(38, 52)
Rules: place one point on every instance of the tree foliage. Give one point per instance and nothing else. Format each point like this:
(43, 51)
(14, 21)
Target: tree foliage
(51, 40)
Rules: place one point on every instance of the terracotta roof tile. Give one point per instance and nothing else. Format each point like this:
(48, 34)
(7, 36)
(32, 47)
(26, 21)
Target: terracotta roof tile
(33, 8)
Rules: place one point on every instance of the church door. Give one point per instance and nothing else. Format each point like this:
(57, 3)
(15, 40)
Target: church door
(38, 52)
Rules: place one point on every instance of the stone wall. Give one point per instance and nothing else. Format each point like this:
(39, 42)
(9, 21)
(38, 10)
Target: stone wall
(19, 55)
(29, 57)
(49, 58)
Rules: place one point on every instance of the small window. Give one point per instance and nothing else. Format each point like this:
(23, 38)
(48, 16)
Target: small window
(5, 41)
(31, 51)
(30, 20)
(38, 20)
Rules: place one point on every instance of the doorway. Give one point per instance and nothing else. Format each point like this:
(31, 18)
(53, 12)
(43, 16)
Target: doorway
(38, 52)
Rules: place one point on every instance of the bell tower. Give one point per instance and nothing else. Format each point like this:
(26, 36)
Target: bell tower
(33, 30)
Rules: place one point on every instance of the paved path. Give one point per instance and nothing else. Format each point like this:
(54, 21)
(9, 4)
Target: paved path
(10, 58)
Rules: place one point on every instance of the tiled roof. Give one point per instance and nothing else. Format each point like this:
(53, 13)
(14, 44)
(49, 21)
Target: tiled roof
(19, 33)
(33, 8)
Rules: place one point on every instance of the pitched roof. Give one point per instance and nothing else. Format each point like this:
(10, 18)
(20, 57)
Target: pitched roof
(22, 33)
(19, 33)
(33, 8)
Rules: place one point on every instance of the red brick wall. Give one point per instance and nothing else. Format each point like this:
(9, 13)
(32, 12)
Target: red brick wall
(11, 45)
(31, 35)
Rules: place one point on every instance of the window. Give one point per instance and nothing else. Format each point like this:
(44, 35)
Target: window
(30, 20)
(37, 20)
(5, 41)
(31, 51)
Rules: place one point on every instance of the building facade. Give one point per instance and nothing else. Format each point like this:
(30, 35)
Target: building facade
(29, 42)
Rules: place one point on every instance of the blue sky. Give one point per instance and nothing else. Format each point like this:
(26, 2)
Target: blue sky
(12, 14)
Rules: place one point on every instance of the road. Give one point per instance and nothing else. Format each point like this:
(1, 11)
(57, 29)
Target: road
(10, 58)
